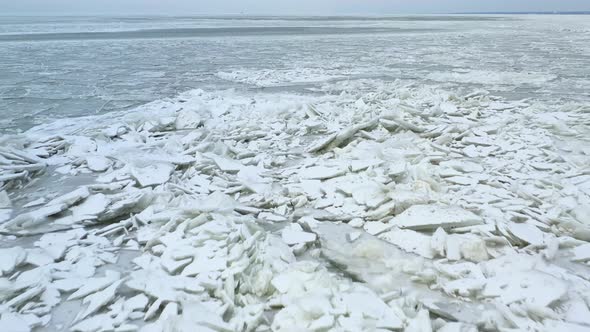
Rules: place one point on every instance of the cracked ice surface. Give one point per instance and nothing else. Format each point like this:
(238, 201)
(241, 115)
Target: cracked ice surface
(388, 206)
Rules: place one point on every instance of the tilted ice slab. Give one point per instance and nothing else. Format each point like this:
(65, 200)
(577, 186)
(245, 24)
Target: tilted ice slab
(430, 217)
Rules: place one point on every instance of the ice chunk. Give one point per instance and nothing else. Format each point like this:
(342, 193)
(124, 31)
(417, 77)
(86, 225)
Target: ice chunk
(475, 140)
(581, 253)
(161, 285)
(70, 198)
(10, 258)
(409, 241)
(438, 242)
(322, 324)
(91, 207)
(474, 250)
(137, 303)
(420, 323)
(321, 172)
(370, 194)
(463, 166)
(356, 222)
(34, 203)
(201, 317)
(115, 130)
(250, 177)
(92, 285)
(99, 299)
(448, 108)
(343, 136)
(370, 305)
(33, 218)
(98, 163)
(353, 236)
(14, 322)
(96, 323)
(227, 165)
(360, 165)
(187, 119)
(172, 265)
(526, 233)
(429, 217)
(376, 227)
(462, 180)
(152, 175)
(534, 287)
(38, 257)
(294, 234)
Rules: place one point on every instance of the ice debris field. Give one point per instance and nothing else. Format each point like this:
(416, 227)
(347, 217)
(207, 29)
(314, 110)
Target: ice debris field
(386, 206)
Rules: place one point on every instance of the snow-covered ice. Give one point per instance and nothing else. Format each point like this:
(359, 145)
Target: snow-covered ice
(387, 206)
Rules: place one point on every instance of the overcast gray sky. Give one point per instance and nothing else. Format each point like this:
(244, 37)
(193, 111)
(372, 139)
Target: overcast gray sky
(295, 7)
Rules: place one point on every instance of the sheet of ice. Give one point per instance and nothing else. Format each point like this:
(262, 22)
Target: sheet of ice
(321, 172)
(431, 217)
(98, 163)
(152, 174)
(5, 202)
(10, 259)
(491, 77)
(282, 77)
(294, 234)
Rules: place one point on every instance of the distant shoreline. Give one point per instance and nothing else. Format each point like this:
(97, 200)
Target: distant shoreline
(526, 13)
(261, 16)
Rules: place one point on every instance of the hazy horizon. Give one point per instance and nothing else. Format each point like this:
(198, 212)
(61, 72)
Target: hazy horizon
(268, 7)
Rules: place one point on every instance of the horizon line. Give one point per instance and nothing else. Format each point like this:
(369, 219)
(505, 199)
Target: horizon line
(556, 12)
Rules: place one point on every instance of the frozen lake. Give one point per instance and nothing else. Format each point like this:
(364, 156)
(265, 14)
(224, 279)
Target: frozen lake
(406, 173)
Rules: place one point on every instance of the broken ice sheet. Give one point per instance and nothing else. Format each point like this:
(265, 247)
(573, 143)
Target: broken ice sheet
(70, 198)
(430, 217)
(528, 234)
(91, 207)
(98, 163)
(19, 323)
(187, 119)
(10, 258)
(162, 286)
(250, 177)
(34, 203)
(321, 172)
(534, 287)
(151, 175)
(95, 284)
(409, 241)
(294, 234)
(99, 299)
(227, 165)
(581, 253)
(195, 316)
